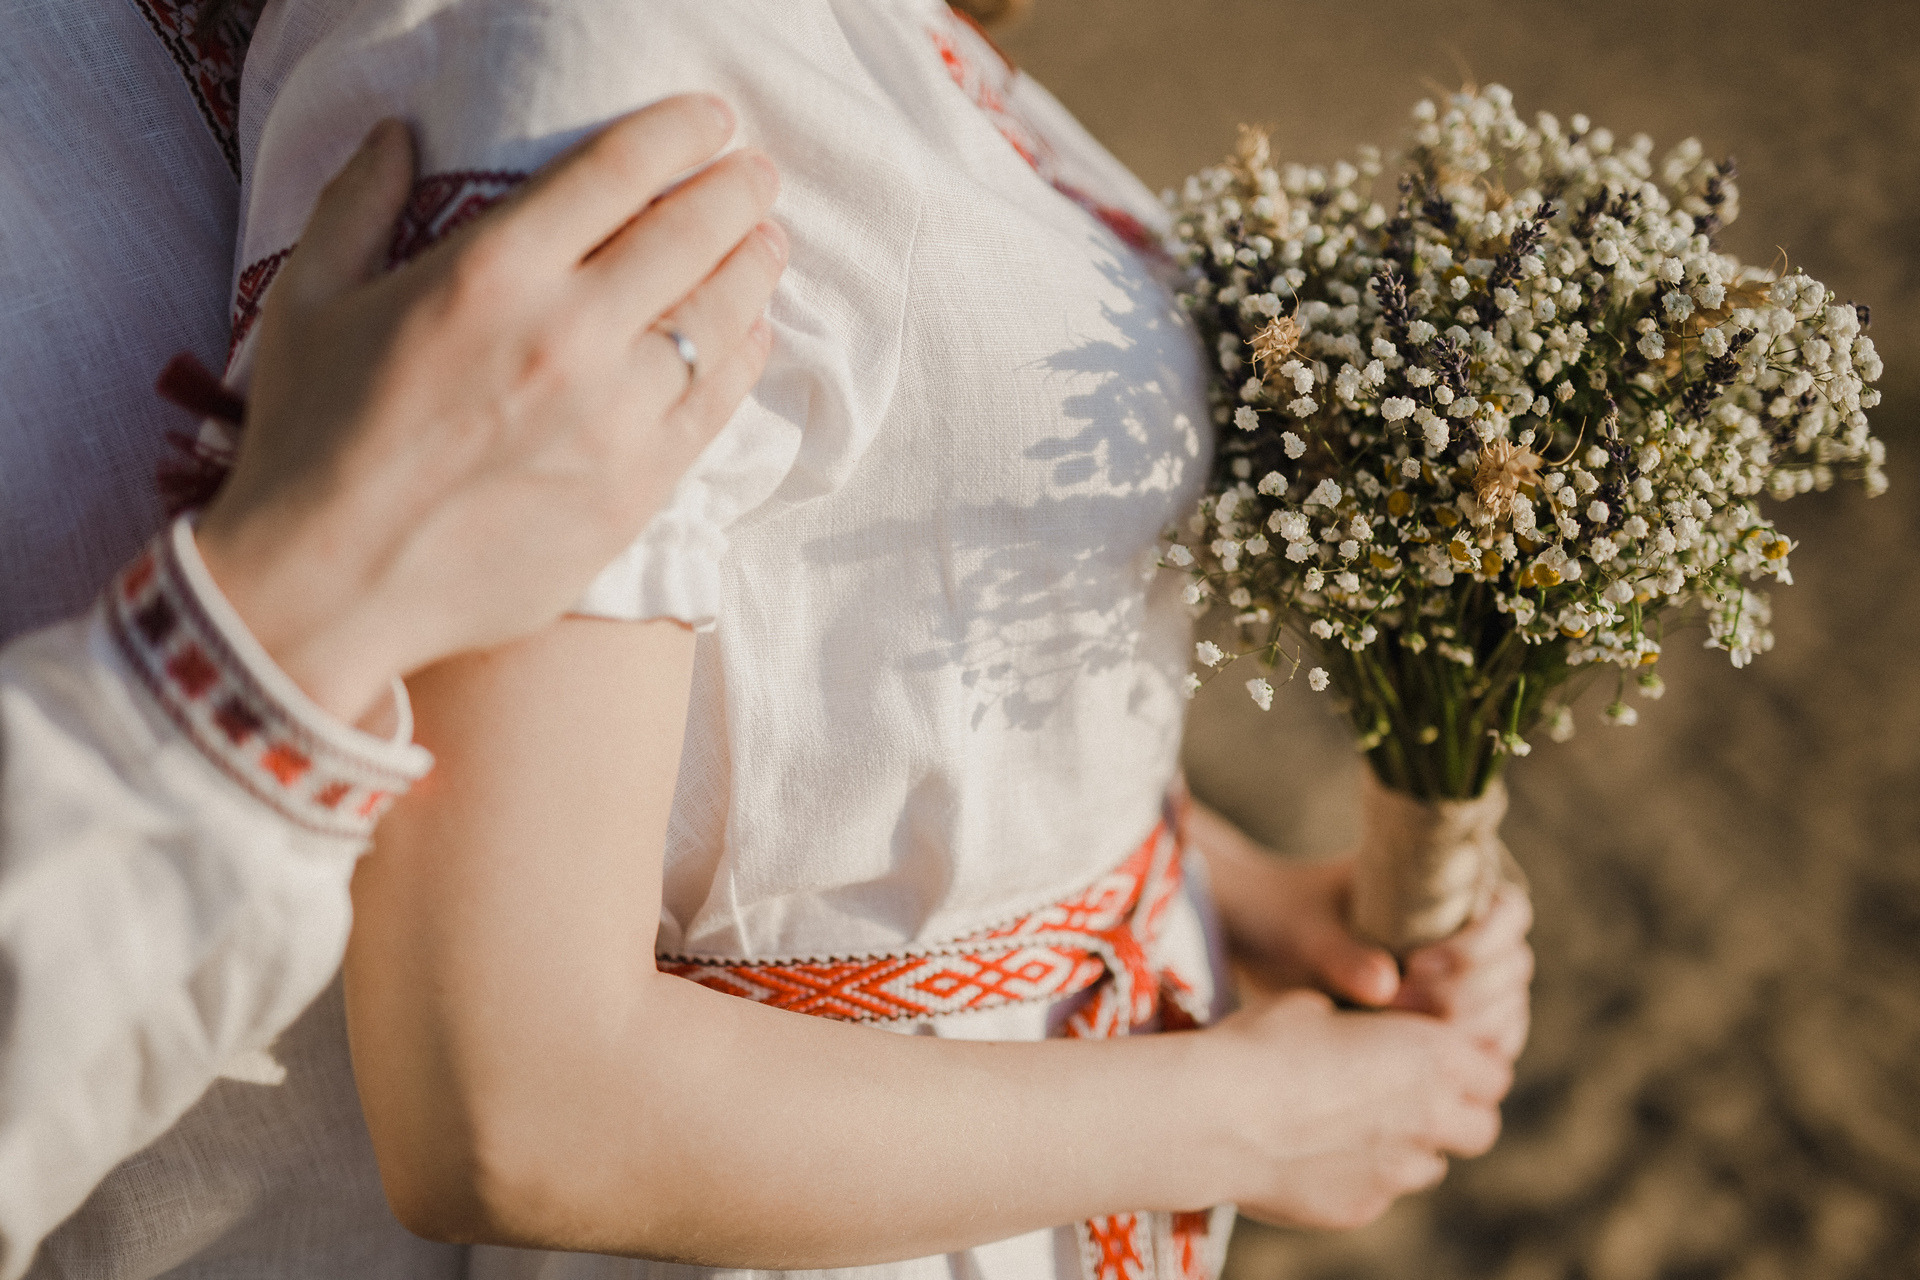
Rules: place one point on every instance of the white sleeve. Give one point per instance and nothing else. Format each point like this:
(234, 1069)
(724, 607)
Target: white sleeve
(178, 824)
(495, 88)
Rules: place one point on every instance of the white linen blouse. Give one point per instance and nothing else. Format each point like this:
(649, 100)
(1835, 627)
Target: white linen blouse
(940, 681)
(942, 684)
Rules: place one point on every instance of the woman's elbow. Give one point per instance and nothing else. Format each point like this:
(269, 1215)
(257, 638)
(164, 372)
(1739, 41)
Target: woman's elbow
(505, 1179)
(454, 1173)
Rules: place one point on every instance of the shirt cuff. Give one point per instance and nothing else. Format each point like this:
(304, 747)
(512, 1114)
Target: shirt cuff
(249, 719)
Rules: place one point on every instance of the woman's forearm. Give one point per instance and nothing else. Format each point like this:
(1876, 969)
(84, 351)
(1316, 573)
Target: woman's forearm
(530, 1079)
(771, 1139)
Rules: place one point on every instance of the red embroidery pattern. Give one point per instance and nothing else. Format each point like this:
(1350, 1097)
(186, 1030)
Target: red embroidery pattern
(198, 465)
(983, 73)
(181, 657)
(440, 203)
(1100, 942)
(443, 202)
(209, 60)
(248, 294)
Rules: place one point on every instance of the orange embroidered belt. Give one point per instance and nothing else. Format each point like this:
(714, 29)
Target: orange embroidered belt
(1099, 944)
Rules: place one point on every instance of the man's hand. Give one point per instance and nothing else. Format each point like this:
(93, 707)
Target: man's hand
(440, 458)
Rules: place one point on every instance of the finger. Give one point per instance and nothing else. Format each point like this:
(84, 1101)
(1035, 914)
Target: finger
(1470, 1130)
(345, 242)
(1483, 1076)
(589, 192)
(1504, 1029)
(1349, 967)
(1461, 992)
(711, 401)
(1503, 928)
(1421, 1170)
(717, 316)
(1508, 918)
(651, 264)
(654, 460)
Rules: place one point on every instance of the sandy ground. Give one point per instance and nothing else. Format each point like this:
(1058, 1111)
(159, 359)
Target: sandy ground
(1724, 1079)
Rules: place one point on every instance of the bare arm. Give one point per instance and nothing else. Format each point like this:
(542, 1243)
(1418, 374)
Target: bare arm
(529, 1078)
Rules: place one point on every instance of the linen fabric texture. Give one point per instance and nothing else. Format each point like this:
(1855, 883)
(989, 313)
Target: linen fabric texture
(942, 684)
(178, 823)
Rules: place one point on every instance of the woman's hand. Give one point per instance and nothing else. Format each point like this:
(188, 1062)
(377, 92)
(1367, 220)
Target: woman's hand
(1376, 1100)
(1354, 1109)
(440, 458)
(1287, 920)
(1480, 979)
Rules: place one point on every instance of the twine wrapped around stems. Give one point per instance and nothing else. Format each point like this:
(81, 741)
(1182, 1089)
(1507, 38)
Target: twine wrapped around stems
(1427, 868)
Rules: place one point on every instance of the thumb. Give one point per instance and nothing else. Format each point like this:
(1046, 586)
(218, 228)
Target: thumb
(1350, 968)
(351, 227)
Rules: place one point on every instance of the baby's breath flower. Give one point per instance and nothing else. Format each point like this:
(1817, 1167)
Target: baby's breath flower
(1317, 679)
(1326, 494)
(1261, 692)
(1208, 653)
(1440, 356)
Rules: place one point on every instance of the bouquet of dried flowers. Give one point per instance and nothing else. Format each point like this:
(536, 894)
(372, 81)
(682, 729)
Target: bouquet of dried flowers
(1491, 431)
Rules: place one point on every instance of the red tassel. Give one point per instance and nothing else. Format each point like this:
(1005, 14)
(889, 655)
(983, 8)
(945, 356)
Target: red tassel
(191, 385)
(190, 479)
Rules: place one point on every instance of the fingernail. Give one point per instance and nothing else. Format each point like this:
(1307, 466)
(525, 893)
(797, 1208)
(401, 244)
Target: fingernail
(776, 236)
(769, 176)
(721, 111)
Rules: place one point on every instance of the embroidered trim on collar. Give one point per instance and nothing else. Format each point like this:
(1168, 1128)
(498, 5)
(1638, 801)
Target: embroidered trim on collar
(187, 664)
(442, 203)
(210, 62)
(985, 74)
(248, 294)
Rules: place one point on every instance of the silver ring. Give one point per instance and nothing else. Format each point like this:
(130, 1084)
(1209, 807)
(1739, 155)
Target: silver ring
(684, 348)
